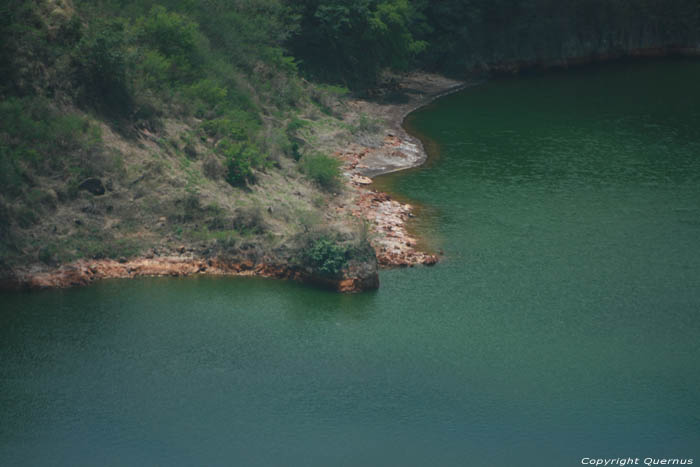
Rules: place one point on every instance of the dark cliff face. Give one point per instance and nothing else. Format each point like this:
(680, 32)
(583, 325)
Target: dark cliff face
(490, 33)
(510, 67)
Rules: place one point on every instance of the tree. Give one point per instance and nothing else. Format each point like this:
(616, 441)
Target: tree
(352, 41)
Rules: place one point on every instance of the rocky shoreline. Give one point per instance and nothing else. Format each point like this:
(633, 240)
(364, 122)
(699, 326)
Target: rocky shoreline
(85, 272)
(386, 217)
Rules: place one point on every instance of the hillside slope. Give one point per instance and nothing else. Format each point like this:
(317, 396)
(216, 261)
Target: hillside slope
(102, 158)
(177, 137)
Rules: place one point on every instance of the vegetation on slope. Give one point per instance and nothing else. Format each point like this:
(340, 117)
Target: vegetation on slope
(351, 41)
(188, 113)
(468, 33)
(132, 125)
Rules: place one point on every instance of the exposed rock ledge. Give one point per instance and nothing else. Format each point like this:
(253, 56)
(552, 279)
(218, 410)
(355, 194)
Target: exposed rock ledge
(83, 272)
(398, 150)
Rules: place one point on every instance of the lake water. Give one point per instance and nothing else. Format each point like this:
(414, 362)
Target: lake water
(563, 322)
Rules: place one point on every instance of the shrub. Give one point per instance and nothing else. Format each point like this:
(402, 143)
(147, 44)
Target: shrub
(207, 94)
(101, 63)
(294, 143)
(36, 138)
(326, 96)
(191, 207)
(11, 181)
(4, 218)
(47, 254)
(326, 257)
(154, 67)
(241, 159)
(212, 168)
(236, 124)
(294, 125)
(37, 197)
(322, 169)
(296, 155)
(176, 38)
(26, 217)
(107, 248)
(250, 220)
(365, 125)
(239, 170)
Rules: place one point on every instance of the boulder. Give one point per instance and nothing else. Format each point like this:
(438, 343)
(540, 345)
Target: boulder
(360, 180)
(93, 185)
(246, 265)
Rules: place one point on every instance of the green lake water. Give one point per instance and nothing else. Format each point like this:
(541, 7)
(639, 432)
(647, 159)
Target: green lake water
(563, 322)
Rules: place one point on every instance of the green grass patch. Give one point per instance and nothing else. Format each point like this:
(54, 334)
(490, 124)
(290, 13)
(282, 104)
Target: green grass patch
(322, 169)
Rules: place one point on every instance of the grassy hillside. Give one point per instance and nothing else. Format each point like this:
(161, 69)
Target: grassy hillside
(127, 128)
(141, 127)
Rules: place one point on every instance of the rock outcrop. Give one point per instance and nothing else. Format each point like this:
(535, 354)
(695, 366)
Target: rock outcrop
(358, 277)
(93, 185)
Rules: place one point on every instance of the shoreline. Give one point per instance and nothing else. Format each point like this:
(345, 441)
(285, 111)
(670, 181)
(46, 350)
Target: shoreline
(388, 218)
(426, 102)
(421, 89)
(85, 272)
(393, 245)
(515, 67)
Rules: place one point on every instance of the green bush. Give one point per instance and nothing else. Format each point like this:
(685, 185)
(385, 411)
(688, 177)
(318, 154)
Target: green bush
(326, 257)
(5, 219)
(47, 254)
(296, 155)
(26, 217)
(207, 94)
(322, 169)
(366, 125)
(236, 124)
(212, 168)
(239, 170)
(153, 68)
(35, 138)
(177, 39)
(294, 125)
(107, 248)
(250, 220)
(11, 180)
(293, 145)
(192, 209)
(241, 159)
(101, 62)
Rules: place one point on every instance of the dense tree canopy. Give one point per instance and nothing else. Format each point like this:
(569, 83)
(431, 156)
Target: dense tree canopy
(351, 40)
(469, 32)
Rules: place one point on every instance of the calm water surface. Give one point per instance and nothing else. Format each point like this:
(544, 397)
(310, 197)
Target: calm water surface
(563, 323)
